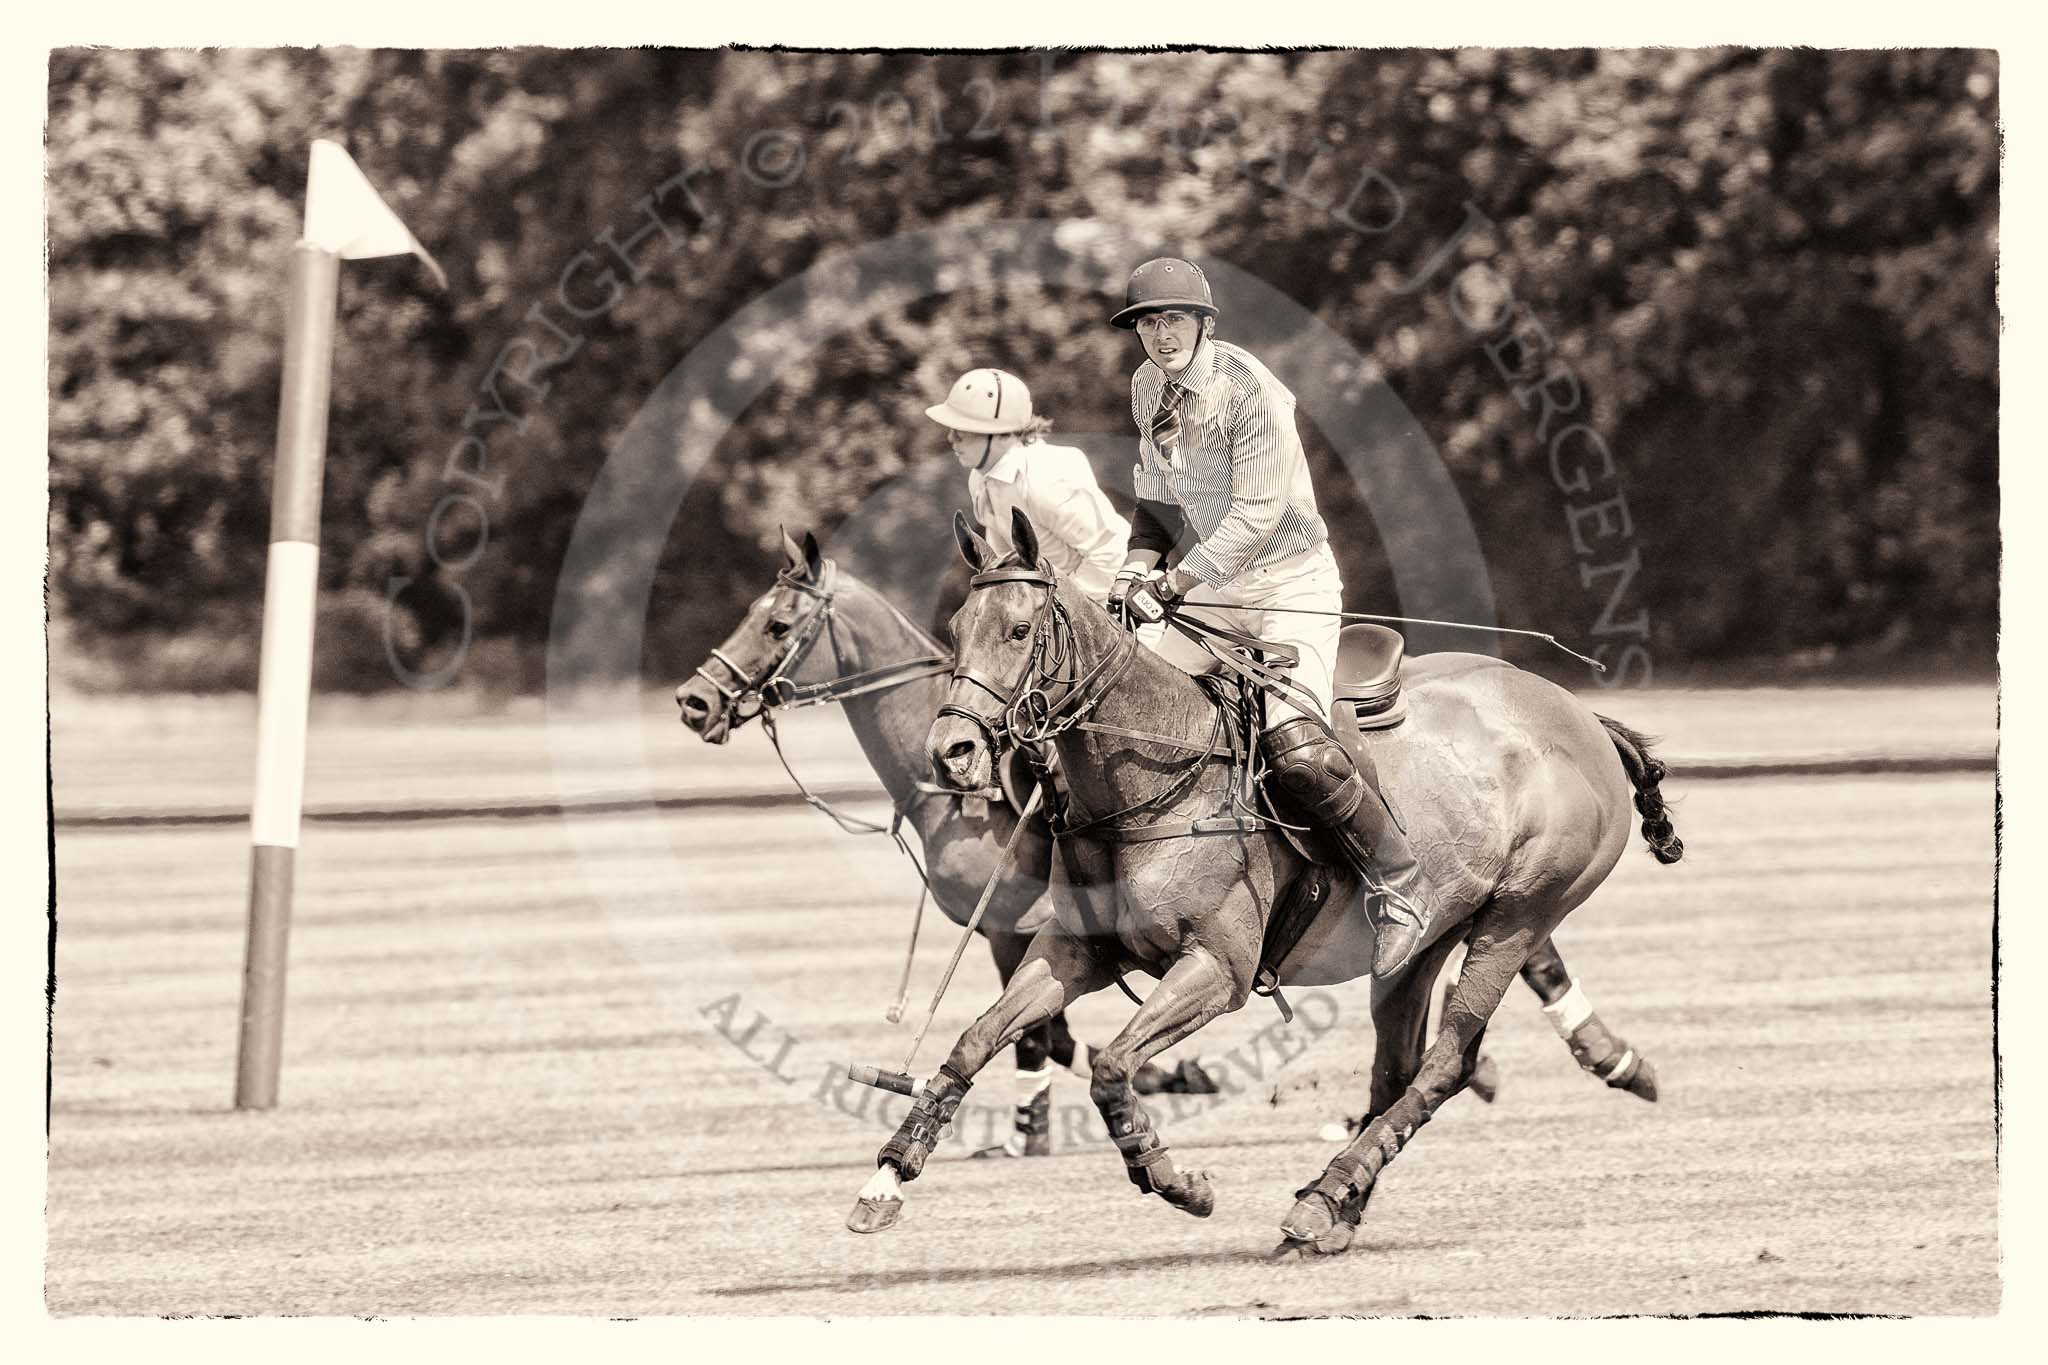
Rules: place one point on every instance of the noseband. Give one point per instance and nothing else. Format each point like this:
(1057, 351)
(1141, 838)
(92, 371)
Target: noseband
(747, 697)
(776, 690)
(1026, 715)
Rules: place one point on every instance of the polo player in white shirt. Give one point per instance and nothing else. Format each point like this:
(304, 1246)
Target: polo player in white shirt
(1001, 444)
(1218, 447)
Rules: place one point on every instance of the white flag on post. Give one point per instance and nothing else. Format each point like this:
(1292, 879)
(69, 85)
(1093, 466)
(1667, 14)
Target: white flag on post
(345, 214)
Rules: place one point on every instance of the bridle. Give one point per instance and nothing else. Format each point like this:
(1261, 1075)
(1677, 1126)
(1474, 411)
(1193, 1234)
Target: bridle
(1027, 716)
(1030, 717)
(774, 689)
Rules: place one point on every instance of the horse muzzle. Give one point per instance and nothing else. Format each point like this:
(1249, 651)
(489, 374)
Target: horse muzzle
(704, 711)
(959, 755)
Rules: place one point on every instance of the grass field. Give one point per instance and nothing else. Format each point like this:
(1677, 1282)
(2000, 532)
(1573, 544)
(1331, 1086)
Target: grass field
(506, 1087)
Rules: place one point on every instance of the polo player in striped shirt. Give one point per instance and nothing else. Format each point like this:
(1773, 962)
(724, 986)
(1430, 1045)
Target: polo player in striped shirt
(1218, 448)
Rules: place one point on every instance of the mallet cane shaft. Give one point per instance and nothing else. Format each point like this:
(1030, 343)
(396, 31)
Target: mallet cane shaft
(973, 922)
(900, 1081)
(910, 956)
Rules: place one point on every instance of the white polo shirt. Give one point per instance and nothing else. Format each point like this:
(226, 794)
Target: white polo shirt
(1078, 531)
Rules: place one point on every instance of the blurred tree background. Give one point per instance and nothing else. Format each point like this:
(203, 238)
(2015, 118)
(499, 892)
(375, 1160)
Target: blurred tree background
(1769, 274)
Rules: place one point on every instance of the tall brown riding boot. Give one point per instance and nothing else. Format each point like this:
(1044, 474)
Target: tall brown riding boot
(1322, 785)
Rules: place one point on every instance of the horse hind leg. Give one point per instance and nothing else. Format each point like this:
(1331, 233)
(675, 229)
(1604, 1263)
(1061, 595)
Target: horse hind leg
(1197, 988)
(1403, 1014)
(1484, 1082)
(1327, 1211)
(1600, 1052)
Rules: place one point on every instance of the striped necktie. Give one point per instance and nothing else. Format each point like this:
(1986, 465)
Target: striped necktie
(1166, 425)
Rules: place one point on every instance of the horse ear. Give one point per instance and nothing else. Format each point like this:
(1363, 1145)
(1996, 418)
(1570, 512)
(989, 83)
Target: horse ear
(973, 548)
(814, 560)
(791, 551)
(1024, 536)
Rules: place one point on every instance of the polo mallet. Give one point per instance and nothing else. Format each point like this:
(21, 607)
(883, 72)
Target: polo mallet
(900, 1081)
(903, 987)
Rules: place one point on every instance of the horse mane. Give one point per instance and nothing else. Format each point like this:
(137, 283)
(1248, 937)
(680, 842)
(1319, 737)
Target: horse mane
(849, 579)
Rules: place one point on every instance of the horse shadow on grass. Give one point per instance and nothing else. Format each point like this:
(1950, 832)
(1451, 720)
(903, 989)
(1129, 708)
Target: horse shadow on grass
(1063, 1270)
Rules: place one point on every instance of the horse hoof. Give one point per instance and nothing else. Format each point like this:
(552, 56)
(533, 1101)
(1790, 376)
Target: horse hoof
(1192, 1080)
(1485, 1082)
(874, 1215)
(1193, 1194)
(1645, 1082)
(1332, 1243)
(1310, 1221)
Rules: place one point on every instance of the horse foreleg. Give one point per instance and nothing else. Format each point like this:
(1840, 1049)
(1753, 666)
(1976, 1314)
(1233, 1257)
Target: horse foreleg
(1057, 970)
(1327, 1212)
(1600, 1052)
(1196, 989)
(1036, 1049)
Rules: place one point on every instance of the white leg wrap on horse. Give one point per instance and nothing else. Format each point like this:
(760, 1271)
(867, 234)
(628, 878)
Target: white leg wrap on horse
(1030, 1085)
(1572, 1010)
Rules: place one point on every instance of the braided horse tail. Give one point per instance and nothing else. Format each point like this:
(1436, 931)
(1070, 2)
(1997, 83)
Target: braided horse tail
(1644, 774)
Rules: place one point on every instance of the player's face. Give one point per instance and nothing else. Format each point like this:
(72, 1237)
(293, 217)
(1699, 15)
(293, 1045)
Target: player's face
(972, 449)
(1170, 338)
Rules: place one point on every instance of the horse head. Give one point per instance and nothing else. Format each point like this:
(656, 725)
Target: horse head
(1014, 651)
(768, 649)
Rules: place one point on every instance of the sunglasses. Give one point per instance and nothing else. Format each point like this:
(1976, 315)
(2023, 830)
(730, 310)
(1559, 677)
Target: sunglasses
(1151, 324)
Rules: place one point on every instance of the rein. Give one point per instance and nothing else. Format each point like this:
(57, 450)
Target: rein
(1028, 716)
(776, 690)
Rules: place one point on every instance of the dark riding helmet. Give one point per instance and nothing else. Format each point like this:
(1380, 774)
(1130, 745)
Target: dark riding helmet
(1157, 286)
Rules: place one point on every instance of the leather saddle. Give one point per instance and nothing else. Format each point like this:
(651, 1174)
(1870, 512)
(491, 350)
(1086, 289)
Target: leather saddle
(1368, 691)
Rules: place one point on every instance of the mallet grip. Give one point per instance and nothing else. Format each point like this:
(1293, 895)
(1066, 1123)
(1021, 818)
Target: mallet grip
(884, 1080)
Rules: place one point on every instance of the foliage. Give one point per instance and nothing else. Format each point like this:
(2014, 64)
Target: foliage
(1770, 273)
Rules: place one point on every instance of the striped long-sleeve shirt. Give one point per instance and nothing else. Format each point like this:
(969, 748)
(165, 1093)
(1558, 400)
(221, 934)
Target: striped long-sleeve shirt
(1237, 468)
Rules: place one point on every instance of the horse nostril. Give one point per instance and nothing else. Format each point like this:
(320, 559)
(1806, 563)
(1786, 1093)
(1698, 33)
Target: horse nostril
(960, 752)
(694, 706)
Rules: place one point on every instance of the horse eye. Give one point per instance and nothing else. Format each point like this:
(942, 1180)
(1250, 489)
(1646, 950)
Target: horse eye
(1020, 630)
(777, 629)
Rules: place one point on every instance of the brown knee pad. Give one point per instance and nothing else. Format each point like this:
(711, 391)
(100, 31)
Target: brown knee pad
(1313, 770)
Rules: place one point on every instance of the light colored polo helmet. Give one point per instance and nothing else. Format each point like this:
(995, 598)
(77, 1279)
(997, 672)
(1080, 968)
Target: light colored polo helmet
(985, 402)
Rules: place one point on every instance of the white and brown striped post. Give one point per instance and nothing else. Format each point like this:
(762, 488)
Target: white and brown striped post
(291, 583)
(344, 219)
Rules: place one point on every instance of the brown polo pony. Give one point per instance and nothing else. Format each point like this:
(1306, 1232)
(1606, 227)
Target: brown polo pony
(1516, 796)
(821, 635)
